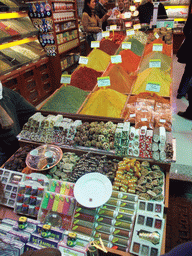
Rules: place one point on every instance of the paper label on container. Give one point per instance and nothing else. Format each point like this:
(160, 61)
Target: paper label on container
(155, 63)
(153, 87)
(103, 81)
(95, 44)
(105, 34)
(157, 47)
(126, 45)
(162, 120)
(132, 115)
(130, 32)
(116, 59)
(83, 60)
(1, 91)
(137, 26)
(65, 79)
(113, 27)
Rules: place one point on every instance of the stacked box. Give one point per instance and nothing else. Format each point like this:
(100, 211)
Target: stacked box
(148, 144)
(159, 144)
(142, 141)
(122, 139)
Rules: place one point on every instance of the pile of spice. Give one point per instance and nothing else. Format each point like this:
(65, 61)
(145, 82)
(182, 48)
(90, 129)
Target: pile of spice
(116, 37)
(85, 78)
(98, 60)
(167, 48)
(105, 102)
(136, 46)
(119, 79)
(140, 36)
(108, 46)
(67, 99)
(148, 96)
(130, 61)
(154, 76)
(165, 61)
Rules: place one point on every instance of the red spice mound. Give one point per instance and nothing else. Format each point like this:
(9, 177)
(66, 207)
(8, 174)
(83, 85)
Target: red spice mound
(167, 48)
(130, 61)
(85, 78)
(108, 46)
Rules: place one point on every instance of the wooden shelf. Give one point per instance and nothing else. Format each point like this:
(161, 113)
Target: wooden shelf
(69, 49)
(71, 66)
(63, 11)
(65, 30)
(68, 41)
(63, 21)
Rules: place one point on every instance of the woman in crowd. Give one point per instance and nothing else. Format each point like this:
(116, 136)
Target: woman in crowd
(90, 21)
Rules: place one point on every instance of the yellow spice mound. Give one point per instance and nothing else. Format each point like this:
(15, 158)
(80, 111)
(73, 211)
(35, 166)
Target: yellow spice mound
(155, 76)
(98, 60)
(105, 102)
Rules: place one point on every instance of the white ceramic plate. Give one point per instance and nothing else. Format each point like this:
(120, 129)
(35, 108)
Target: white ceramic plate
(93, 190)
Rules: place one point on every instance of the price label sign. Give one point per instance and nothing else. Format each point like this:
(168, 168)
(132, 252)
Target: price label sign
(137, 26)
(157, 47)
(105, 34)
(126, 45)
(103, 81)
(116, 59)
(156, 35)
(130, 32)
(65, 79)
(1, 91)
(83, 60)
(153, 87)
(95, 44)
(113, 27)
(155, 63)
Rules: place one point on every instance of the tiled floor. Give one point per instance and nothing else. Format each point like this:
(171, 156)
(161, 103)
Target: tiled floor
(182, 130)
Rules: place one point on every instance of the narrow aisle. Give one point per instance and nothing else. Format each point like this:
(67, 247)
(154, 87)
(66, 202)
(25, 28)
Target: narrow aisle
(182, 130)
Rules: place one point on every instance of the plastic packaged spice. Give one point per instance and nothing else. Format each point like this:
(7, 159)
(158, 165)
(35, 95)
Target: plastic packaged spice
(98, 60)
(119, 79)
(144, 117)
(85, 78)
(130, 113)
(154, 76)
(165, 61)
(105, 102)
(66, 99)
(164, 118)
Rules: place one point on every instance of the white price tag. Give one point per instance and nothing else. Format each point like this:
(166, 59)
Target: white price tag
(155, 63)
(105, 34)
(126, 45)
(116, 59)
(162, 120)
(156, 35)
(157, 47)
(130, 32)
(65, 79)
(153, 87)
(132, 115)
(103, 81)
(83, 60)
(95, 44)
(113, 27)
(1, 91)
(144, 119)
(137, 26)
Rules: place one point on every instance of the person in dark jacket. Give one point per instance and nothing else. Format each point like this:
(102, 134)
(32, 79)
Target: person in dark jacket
(184, 55)
(102, 12)
(145, 10)
(14, 113)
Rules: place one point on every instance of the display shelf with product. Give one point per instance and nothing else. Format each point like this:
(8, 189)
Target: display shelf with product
(24, 64)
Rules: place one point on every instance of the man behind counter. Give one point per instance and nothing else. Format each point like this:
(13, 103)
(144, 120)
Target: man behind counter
(14, 113)
(101, 11)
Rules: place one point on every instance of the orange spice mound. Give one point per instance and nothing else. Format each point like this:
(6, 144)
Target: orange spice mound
(167, 48)
(119, 79)
(130, 61)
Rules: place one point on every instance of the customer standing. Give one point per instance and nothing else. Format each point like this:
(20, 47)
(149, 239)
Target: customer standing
(90, 21)
(14, 113)
(145, 10)
(102, 12)
(184, 55)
